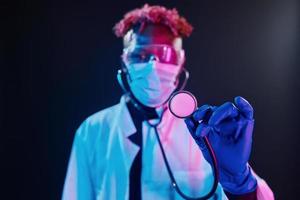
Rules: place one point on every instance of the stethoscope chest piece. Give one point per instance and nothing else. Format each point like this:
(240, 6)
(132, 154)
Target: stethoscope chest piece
(182, 104)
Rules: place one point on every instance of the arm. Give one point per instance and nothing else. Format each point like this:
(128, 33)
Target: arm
(262, 192)
(78, 182)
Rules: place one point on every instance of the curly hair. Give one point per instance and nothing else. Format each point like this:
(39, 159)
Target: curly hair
(156, 15)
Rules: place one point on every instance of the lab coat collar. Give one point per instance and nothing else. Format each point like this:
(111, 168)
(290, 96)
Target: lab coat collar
(126, 122)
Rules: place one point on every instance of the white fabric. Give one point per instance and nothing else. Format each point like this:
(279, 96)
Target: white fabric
(102, 156)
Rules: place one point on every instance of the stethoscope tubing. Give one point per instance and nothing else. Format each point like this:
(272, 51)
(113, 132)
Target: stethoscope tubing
(171, 175)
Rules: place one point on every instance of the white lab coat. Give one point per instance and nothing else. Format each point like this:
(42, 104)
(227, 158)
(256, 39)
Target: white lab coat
(102, 155)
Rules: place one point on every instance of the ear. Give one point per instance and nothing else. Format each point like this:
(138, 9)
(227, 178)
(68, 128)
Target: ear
(129, 38)
(121, 81)
(177, 43)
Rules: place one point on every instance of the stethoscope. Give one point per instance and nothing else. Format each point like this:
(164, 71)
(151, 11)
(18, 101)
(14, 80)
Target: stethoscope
(190, 105)
(175, 102)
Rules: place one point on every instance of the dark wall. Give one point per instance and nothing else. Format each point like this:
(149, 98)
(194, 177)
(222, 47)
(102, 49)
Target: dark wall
(59, 62)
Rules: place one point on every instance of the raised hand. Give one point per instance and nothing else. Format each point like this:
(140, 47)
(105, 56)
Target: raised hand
(229, 129)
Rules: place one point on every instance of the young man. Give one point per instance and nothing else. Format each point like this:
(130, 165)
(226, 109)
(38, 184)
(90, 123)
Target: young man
(116, 152)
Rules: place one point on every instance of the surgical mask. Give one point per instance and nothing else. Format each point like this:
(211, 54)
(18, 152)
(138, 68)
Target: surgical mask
(152, 82)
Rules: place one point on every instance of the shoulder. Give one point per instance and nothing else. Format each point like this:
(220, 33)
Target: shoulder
(95, 129)
(102, 117)
(97, 121)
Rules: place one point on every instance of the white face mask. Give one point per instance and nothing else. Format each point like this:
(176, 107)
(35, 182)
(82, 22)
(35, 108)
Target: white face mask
(153, 82)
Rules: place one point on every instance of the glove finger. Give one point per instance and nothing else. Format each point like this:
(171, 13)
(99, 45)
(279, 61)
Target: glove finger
(200, 142)
(202, 146)
(227, 128)
(245, 137)
(227, 110)
(244, 106)
(202, 112)
(190, 125)
(202, 130)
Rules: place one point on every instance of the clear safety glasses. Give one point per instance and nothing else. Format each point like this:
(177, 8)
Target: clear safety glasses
(145, 53)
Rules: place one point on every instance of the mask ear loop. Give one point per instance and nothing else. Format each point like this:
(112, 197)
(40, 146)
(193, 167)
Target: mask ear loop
(183, 70)
(186, 77)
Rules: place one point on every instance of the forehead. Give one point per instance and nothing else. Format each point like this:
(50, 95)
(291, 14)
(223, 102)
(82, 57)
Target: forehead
(152, 34)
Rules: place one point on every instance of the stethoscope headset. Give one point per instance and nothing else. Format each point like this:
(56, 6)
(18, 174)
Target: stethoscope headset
(122, 77)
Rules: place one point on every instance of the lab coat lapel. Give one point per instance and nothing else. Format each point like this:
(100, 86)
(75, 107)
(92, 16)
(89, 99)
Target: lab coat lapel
(127, 128)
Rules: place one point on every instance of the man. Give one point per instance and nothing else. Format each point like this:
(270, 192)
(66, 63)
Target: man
(116, 152)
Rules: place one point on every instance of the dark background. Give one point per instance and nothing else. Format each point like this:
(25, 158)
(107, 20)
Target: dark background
(59, 61)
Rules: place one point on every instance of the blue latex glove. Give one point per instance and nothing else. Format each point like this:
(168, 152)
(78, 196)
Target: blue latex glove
(229, 130)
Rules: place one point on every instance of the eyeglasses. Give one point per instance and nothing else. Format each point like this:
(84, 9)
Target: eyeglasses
(145, 53)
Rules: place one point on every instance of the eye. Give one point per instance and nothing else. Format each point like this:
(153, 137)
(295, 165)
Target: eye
(138, 56)
(143, 56)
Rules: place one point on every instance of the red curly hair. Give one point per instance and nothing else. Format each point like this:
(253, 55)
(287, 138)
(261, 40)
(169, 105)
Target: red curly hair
(157, 15)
